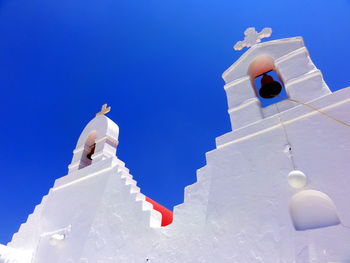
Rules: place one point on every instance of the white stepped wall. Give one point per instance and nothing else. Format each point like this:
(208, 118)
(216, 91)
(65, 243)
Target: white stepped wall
(193, 209)
(28, 233)
(77, 204)
(123, 213)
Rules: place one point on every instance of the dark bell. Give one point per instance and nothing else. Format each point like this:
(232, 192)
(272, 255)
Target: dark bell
(89, 156)
(91, 152)
(269, 87)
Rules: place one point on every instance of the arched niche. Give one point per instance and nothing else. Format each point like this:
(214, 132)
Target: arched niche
(265, 65)
(312, 209)
(89, 150)
(101, 134)
(260, 65)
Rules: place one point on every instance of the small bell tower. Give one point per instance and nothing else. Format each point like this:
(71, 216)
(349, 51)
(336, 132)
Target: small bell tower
(294, 72)
(98, 141)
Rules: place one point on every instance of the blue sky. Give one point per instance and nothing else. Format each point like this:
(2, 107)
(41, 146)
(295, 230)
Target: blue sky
(158, 63)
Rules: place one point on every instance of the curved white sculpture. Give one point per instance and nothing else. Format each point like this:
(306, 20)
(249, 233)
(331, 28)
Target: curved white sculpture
(312, 209)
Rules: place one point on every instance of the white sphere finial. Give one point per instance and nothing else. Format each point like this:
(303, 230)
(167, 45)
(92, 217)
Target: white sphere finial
(251, 37)
(297, 179)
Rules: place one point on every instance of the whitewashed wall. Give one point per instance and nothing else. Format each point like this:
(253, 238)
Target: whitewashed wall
(241, 209)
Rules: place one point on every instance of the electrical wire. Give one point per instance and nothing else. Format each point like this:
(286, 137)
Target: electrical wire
(315, 109)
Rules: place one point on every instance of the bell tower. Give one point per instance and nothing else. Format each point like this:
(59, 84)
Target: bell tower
(97, 142)
(288, 59)
(73, 221)
(281, 170)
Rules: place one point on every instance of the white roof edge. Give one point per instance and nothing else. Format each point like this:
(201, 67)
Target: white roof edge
(268, 43)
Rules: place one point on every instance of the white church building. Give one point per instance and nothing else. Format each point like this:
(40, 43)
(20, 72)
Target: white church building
(276, 189)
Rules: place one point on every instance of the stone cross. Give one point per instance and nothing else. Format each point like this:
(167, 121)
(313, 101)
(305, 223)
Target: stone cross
(251, 37)
(104, 110)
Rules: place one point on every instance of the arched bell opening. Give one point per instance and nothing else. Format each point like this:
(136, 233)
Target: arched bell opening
(89, 150)
(312, 209)
(102, 131)
(266, 80)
